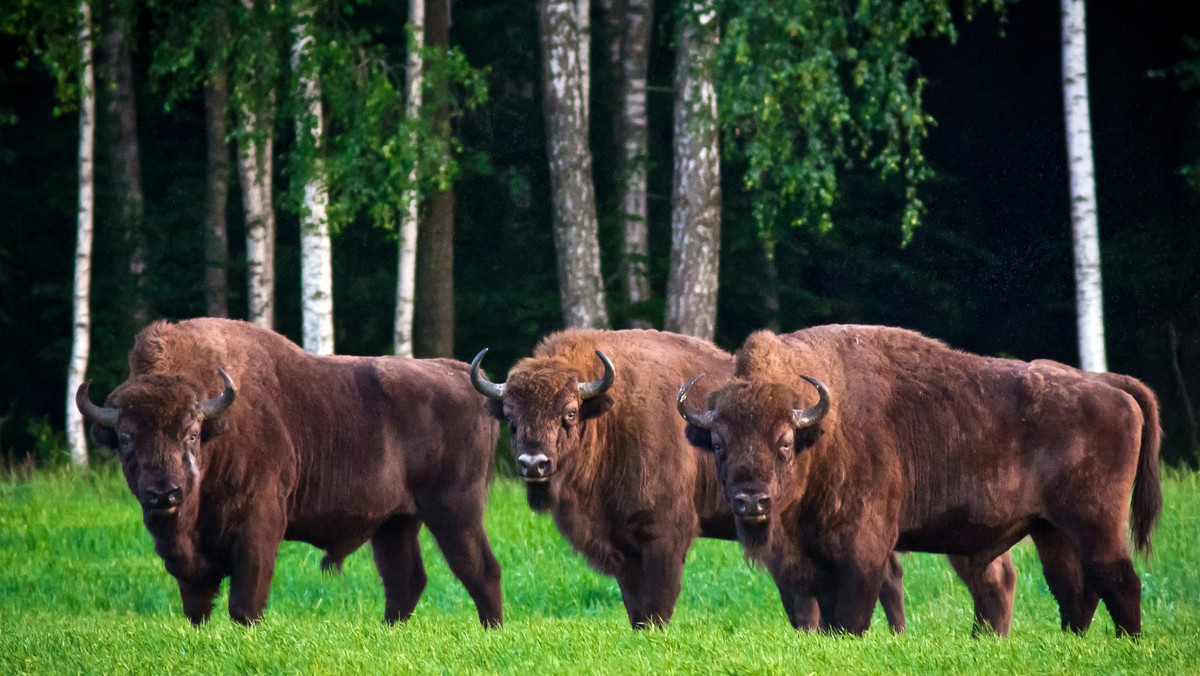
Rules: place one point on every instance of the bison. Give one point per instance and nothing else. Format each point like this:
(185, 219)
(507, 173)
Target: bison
(598, 444)
(332, 451)
(926, 448)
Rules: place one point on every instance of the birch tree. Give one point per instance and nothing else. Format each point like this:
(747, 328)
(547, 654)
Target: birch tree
(433, 314)
(564, 100)
(1089, 305)
(116, 78)
(636, 20)
(406, 280)
(696, 189)
(316, 257)
(216, 191)
(81, 318)
(255, 108)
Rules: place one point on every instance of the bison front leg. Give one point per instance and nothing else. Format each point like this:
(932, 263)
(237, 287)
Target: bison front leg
(397, 555)
(857, 588)
(197, 597)
(662, 574)
(253, 566)
(802, 610)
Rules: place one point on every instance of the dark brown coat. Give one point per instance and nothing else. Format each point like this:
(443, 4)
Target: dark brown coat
(927, 448)
(624, 487)
(333, 451)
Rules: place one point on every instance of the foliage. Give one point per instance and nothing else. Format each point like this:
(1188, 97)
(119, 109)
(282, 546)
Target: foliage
(810, 88)
(83, 591)
(369, 151)
(50, 30)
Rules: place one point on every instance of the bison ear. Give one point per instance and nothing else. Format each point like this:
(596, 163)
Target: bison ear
(103, 435)
(596, 406)
(496, 409)
(213, 428)
(699, 437)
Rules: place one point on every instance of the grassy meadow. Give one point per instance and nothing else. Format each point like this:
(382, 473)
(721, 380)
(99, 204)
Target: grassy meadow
(82, 591)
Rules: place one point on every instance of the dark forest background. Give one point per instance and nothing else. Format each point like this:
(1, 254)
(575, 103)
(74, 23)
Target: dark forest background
(989, 270)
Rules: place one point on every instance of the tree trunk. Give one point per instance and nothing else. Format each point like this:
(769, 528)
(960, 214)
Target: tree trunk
(576, 238)
(583, 41)
(631, 143)
(696, 193)
(216, 237)
(434, 312)
(771, 284)
(116, 78)
(316, 257)
(256, 171)
(1089, 297)
(406, 279)
(81, 318)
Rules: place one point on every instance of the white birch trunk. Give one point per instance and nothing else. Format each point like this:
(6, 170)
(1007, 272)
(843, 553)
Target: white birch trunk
(316, 257)
(632, 143)
(81, 318)
(406, 278)
(576, 239)
(696, 192)
(1089, 297)
(256, 171)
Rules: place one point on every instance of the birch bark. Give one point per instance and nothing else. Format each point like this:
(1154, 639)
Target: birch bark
(256, 171)
(406, 279)
(1089, 297)
(81, 317)
(696, 192)
(576, 239)
(631, 143)
(316, 256)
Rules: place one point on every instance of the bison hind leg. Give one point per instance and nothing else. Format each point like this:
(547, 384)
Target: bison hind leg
(1063, 571)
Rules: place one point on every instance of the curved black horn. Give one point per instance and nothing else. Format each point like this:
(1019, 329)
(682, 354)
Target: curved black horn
(698, 417)
(211, 408)
(807, 417)
(102, 415)
(484, 386)
(589, 390)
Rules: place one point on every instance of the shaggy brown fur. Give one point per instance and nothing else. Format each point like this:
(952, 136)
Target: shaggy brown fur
(333, 451)
(931, 449)
(627, 491)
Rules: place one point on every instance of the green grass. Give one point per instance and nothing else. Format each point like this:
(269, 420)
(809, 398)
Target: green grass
(81, 590)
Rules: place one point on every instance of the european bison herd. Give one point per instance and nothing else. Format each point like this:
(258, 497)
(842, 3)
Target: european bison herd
(822, 452)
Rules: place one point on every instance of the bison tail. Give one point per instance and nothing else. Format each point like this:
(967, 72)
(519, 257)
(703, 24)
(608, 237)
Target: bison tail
(1147, 490)
(331, 565)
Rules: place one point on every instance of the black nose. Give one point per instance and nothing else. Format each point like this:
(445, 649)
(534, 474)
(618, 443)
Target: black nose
(752, 504)
(162, 497)
(534, 466)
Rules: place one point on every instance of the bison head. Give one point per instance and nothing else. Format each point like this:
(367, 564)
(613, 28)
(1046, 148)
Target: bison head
(758, 432)
(156, 424)
(546, 403)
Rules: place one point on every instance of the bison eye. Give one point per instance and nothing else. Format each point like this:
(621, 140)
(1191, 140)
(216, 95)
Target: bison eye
(569, 418)
(718, 450)
(125, 443)
(192, 438)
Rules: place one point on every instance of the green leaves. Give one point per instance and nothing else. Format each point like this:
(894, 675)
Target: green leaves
(811, 88)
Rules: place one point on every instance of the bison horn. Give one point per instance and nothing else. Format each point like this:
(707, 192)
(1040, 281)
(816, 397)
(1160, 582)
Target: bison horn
(102, 415)
(807, 417)
(589, 390)
(485, 387)
(699, 418)
(211, 408)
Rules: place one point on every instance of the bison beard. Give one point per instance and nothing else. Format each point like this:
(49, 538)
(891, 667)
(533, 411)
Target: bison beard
(333, 451)
(537, 494)
(932, 449)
